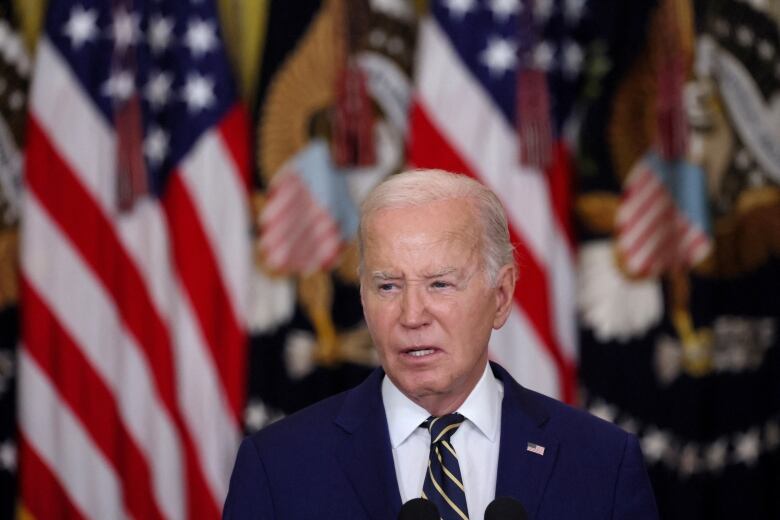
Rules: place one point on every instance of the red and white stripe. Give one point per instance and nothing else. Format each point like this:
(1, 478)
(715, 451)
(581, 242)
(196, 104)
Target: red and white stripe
(653, 234)
(538, 344)
(132, 367)
(297, 234)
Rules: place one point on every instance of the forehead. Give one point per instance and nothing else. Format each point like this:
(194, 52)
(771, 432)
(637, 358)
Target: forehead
(435, 235)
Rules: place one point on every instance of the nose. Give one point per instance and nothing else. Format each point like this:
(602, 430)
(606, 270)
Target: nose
(414, 311)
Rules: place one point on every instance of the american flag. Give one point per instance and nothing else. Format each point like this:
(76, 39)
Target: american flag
(535, 448)
(662, 219)
(309, 215)
(135, 263)
(464, 119)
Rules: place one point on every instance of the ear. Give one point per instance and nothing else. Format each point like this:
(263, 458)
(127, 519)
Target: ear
(504, 293)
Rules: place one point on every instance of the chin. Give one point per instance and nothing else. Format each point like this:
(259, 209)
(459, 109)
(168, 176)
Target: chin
(421, 389)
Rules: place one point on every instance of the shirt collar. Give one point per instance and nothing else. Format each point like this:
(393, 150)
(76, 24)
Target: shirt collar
(483, 405)
(482, 408)
(403, 414)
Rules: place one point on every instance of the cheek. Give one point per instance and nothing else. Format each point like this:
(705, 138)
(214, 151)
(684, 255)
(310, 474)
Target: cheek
(379, 315)
(473, 324)
(452, 314)
(369, 303)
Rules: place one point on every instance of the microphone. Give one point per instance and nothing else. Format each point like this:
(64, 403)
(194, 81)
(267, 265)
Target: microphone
(505, 508)
(418, 509)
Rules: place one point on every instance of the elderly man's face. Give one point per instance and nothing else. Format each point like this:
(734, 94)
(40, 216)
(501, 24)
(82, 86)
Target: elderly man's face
(427, 302)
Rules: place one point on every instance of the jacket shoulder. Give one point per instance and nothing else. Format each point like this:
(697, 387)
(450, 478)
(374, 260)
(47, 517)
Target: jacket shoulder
(301, 425)
(568, 420)
(581, 435)
(324, 420)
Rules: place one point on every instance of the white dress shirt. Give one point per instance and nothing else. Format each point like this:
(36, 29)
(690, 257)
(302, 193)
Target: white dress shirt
(476, 441)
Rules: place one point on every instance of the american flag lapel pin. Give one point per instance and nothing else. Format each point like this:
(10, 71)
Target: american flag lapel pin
(535, 448)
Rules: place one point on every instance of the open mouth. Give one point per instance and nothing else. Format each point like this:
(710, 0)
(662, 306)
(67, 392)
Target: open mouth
(419, 352)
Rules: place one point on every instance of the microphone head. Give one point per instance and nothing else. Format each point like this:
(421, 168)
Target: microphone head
(505, 508)
(418, 509)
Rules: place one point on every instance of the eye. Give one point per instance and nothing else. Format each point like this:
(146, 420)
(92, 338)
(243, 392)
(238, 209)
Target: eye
(386, 287)
(440, 284)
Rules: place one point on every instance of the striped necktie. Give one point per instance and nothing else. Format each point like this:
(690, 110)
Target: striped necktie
(443, 483)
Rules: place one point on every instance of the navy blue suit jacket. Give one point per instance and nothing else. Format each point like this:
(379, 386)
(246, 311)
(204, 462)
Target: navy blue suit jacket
(333, 460)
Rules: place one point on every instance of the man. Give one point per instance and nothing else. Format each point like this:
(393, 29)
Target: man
(437, 276)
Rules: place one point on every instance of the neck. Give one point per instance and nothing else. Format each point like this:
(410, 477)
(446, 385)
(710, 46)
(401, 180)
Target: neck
(443, 404)
(439, 407)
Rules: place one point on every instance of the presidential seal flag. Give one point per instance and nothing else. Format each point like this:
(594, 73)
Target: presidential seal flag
(135, 261)
(679, 260)
(331, 123)
(14, 78)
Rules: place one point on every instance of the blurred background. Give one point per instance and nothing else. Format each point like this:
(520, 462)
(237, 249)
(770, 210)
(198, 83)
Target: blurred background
(179, 184)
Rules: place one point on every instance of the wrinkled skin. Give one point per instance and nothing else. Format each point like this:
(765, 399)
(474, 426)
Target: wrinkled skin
(428, 303)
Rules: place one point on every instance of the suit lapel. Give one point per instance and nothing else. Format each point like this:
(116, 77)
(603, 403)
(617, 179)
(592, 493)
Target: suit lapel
(365, 456)
(364, 451)
(523, 473)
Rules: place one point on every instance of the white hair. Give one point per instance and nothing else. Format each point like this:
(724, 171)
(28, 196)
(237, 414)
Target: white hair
(420, 187)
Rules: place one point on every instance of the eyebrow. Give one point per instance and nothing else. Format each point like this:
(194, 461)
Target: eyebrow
(384, 275)
(442, 272)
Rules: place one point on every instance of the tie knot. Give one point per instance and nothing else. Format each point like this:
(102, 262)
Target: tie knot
(442, 428)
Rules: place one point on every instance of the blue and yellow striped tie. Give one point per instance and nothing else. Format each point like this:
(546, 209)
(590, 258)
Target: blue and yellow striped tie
(443, 483)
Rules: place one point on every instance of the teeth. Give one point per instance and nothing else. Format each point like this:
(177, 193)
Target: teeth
(420, 353)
